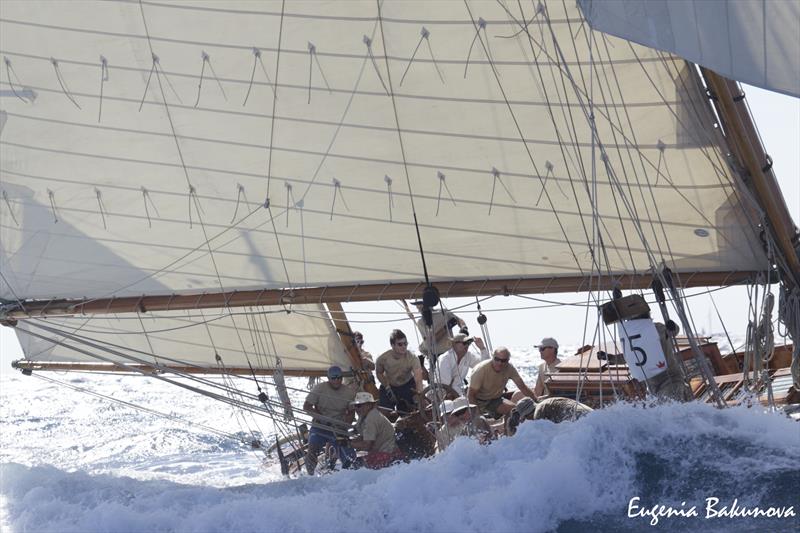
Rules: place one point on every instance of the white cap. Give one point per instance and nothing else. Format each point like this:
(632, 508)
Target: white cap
(447, 406)
(362, 398)
(461, 403)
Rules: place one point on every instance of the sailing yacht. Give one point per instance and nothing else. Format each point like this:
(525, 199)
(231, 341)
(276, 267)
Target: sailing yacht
(194, 188)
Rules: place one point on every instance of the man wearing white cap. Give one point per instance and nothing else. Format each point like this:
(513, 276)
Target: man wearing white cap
(548, 350)
(376, 433)
(455, 365)
(459, 421)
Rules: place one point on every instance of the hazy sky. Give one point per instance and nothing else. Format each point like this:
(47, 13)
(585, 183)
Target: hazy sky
(517, 321)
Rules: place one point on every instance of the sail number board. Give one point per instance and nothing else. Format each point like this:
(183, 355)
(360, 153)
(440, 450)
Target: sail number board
(641, 348)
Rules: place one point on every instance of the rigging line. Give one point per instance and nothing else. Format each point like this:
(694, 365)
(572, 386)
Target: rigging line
(83, 339)
(628, 150)
(742, 193)
(402, 147)
(157, 375)
(232, 392)
(525, 144)
(609, 169)
(593, 69)
(176, 261)
(573, 138)
(132, 369)
(147, 337)
(280, 385)
(274, 101)
(293, 150)
(141, 408)
(706, 138)
(280, 250)
(627, 180)
(647, 183)
(592, 195)
(590, 119)
(287, 86)
(255, 340)
(339, 125)
(719, 171)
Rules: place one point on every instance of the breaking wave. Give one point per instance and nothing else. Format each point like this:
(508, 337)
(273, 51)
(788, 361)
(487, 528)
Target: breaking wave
(568, 477)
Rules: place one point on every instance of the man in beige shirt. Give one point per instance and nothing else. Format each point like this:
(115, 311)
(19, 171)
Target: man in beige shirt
(548, 350)
(488, 382)
(329, 405)
(376, 434)
(400, 375)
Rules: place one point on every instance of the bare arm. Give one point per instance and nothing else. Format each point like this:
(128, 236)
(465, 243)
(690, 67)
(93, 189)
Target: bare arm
(472, 395)
(381, 374)
(482, 347)
(538, 389)
(418, 378)
(310, 408)
(524, 388)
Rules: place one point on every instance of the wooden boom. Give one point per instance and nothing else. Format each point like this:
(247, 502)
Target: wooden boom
(354, 293)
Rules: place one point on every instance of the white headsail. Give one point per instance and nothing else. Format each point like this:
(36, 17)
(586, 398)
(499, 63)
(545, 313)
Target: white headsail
(753, 41)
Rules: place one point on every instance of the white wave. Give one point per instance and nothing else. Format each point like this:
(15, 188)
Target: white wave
(75, 463)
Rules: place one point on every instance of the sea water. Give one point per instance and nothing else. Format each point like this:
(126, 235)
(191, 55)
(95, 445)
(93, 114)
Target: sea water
(74, 462)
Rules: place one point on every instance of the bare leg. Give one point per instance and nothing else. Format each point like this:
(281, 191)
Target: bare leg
(505, 407)
(311, 459)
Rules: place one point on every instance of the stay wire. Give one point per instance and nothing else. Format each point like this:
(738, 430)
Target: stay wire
(402, 147)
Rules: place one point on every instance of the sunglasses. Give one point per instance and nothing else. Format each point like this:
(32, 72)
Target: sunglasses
(500, 360)
(335, 377)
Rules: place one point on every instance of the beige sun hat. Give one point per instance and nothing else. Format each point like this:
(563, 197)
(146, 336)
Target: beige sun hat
(362, 398)
(461, 403)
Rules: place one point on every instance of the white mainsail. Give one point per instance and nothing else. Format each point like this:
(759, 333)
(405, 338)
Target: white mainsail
(191, 147)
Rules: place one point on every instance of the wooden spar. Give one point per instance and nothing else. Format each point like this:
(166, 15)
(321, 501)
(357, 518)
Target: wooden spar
(349, 293)
(345, 333)
(63, 366)
(746, 145)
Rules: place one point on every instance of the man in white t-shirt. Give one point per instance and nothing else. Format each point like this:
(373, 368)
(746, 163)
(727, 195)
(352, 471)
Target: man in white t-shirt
(548, 350)
(455, 365)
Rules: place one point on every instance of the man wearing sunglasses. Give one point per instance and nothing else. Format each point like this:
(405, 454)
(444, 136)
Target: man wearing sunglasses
(548, 350)
(488, 383)
(400, 375)
(367, 362)
(455, 365)
(329, 404)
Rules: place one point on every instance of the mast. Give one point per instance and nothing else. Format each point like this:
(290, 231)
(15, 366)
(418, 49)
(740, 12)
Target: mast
(746, 145)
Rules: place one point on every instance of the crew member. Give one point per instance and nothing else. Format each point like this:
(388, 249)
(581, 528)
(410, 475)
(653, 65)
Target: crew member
(400, 374)
(329, 403)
